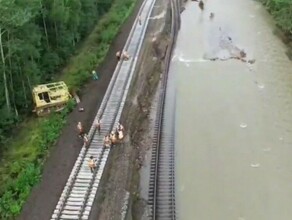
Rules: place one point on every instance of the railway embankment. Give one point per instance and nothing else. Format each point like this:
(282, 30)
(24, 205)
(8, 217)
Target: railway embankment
(119, 194)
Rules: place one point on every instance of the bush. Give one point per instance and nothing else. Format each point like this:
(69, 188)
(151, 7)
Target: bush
(282, 11)
(97, 44)
(21, 166)
(25, 172)
(17, 191)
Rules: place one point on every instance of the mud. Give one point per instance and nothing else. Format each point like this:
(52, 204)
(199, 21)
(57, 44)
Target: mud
(223, 46)
(123, 169)
(227, 49)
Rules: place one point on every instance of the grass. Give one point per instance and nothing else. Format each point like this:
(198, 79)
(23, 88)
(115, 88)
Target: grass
(21, 168)
(22, 162)
(97, 45)
(281, 10)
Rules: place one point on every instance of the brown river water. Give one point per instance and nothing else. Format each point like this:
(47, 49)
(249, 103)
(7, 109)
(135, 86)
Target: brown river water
(233, 118)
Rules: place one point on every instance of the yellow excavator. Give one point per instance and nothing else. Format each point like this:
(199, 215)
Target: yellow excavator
(51, 97)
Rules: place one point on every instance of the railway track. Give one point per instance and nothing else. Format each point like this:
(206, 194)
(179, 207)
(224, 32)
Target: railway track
(161, 198)
(80, 190)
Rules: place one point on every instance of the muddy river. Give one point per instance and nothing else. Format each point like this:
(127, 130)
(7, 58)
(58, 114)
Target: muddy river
(233, 118)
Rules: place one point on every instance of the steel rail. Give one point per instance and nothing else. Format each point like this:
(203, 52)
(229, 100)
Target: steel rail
(126, 88)
(78, 194)
(162, 171)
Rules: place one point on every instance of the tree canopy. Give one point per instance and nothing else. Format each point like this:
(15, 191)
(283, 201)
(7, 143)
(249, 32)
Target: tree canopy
(36, 39)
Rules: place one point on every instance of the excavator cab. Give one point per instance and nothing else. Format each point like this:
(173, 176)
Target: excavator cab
(51, 97)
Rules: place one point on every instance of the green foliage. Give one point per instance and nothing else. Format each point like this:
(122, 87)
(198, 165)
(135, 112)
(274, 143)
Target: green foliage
(97, 44)
(282, 11)
(17, 191)
(34, 51)
(37, 38)
(23, 170)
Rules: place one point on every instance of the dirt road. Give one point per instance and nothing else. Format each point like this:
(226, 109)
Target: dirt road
(44, 197)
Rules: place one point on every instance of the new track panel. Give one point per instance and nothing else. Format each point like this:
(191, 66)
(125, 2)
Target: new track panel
(79, 193)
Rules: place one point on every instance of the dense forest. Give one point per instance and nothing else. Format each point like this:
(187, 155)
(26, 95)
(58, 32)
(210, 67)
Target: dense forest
(36, 39)
(38, 36)
(44, 41)
(282, 11)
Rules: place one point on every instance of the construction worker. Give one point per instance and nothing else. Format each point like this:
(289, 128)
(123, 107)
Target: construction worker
(120, 127)
(94, 75)
(113, 137)
(86, 140)
(107, 141)
(125, 56)
(98, 126)
(80, 129)
(121, 135)
(92, 164)
(118, 55)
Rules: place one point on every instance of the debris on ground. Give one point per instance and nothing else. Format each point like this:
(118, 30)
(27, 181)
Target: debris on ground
(81, 109)
(201, 5)
(256, 165)
(76, 97)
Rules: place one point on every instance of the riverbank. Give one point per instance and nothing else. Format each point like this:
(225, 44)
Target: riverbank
(282, 13)
(21, 165)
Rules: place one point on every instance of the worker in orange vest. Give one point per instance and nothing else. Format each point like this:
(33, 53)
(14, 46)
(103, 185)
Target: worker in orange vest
(92, 164)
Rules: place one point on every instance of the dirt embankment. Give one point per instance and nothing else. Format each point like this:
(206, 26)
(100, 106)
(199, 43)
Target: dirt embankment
(122, 172)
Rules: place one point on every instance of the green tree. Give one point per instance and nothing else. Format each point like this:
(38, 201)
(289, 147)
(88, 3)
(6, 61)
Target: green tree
(37, 37)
